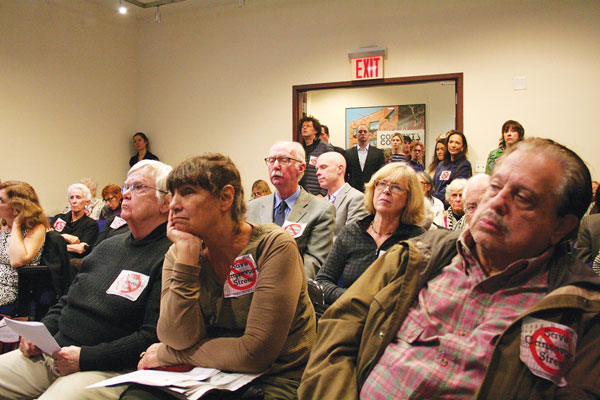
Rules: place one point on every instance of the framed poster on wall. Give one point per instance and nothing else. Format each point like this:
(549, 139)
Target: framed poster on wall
(384, 121)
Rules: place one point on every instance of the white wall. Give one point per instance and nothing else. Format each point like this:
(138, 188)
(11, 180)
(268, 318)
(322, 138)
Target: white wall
(68, 89)
(219, 78)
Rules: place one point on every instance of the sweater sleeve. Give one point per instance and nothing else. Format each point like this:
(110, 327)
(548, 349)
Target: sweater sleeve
(329, 275)
(124, 352)
(464, 171)
(269, 319)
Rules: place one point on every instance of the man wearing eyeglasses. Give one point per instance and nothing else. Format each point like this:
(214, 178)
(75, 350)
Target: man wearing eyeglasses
(109, 315)
(308, 219)
(363, 160)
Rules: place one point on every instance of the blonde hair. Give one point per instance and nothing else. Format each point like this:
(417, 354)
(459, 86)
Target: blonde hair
(399, 172)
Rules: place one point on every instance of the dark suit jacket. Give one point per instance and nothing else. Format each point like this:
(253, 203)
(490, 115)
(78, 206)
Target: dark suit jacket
(357, 177)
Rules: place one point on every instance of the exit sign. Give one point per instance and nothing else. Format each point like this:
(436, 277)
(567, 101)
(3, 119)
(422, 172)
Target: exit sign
(367, 68)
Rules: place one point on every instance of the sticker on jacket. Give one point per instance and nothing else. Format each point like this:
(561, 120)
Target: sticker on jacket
(129, 284)
(242, 278)
(59, 225)
(313, 160)
(295, 229)
(547, 348)
(445, 175)
(117, 222)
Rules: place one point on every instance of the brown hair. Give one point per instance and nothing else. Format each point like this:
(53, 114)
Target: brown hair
(111, 190)
(508, 126)
(463, 153)
(211, 172)
(24, 200)
(435, 161)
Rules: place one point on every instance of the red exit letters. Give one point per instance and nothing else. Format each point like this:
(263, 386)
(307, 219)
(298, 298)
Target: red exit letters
(367, 67)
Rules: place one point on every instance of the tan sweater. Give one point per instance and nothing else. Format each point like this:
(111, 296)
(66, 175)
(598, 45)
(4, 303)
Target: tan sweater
(273, 327)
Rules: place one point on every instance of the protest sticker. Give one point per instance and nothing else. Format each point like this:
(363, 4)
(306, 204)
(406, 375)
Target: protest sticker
(129, 284)
(242, 278)
(117, 222)
(59, 225)
(445, 175)
(547, 348)
(295, 229)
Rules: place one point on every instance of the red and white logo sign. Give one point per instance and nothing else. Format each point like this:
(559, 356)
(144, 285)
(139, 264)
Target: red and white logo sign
(445, 175)
(59, 225)
(295, 229)
(117, 223)
(547, 348)
(129, 284)
(242, 278)
(313, 160)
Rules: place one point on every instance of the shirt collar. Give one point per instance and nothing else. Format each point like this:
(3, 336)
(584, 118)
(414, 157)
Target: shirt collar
(360, 149)
(336, 192)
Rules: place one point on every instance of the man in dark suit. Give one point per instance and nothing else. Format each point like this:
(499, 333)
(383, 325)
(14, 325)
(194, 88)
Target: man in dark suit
(362, 160)
(309, 219)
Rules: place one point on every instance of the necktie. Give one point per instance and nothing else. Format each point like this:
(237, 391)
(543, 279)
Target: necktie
(280, 213)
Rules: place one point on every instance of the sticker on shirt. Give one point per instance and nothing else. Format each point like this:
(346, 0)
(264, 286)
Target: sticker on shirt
(547, 348)
(445, 175)
(117, 223)
(313, 160)
(59, 225)
(295, 229)
(87, 212)
(129, 284)
(242, 278)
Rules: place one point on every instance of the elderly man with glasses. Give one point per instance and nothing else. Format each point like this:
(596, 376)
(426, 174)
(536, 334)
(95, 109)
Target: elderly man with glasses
(109, 315)
(309, 219)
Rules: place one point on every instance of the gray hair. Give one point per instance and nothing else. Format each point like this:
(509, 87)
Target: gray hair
(457, 185)
(574, 190)
(79, 186)
(473, 181)
(159, 170)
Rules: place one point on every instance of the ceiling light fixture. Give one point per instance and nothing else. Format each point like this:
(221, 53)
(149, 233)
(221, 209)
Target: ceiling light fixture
(122, 8)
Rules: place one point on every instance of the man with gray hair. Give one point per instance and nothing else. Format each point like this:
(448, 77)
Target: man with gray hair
(473, 192)
(348, 202)
(500, 310)
(309, 219)
(109, 315)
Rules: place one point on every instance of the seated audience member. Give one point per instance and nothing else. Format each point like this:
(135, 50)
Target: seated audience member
(309, 219)
(394, 199)
(236, 289)
(438, 155)
(260, 188)
(397, 145)
(112, 198)
(453, 218)
(434, 209)
(21, 241)
(94, 207)
(455, 164)
(416, 156)
(142, 145)
(499, 311)
(348, 202)
(473, 193)
(78, 230)
(108, 317)
(512, 132)
(310, 129)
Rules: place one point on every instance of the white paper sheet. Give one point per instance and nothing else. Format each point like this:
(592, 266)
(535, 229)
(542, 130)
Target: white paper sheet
(36, 333)
(7, 335)
(158, 378)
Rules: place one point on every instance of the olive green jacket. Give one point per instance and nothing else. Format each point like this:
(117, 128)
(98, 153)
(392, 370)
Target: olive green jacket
(356, 329)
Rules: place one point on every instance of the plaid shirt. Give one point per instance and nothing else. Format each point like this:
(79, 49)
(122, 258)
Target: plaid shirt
(446, 342)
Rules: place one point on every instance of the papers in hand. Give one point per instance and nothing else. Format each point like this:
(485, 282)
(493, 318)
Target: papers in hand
(36, 333)
(190, 385)
(7, 335)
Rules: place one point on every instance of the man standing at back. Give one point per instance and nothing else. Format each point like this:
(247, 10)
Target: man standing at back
(499, 311)
(363, 160)
(309, 219)
(310, 129)
(109, 315)
(348, 202)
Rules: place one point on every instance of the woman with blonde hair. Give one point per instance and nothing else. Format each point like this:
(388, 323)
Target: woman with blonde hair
(260, 188)
(21, 239)
(394, 199)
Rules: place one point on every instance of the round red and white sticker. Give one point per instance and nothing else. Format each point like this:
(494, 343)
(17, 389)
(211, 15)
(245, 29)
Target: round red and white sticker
(242, 278)
(59, 225)
(295, 229)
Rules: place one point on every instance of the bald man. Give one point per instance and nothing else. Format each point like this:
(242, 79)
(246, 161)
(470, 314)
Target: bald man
(473, 192)
(348, 202)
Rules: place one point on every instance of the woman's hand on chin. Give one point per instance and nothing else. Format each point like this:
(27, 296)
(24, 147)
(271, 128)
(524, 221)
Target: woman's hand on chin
(188, 245)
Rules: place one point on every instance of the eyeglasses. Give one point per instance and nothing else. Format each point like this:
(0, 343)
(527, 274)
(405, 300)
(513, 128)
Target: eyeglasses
(137, 187)
(111, 198)
(381, 185)
(282, 160)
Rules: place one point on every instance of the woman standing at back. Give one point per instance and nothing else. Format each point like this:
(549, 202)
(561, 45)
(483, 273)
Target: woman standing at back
(455, 164)
(142, 145)
(512, 132)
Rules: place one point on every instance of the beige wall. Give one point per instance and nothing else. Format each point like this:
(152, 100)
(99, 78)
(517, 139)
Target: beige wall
(219, 78)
